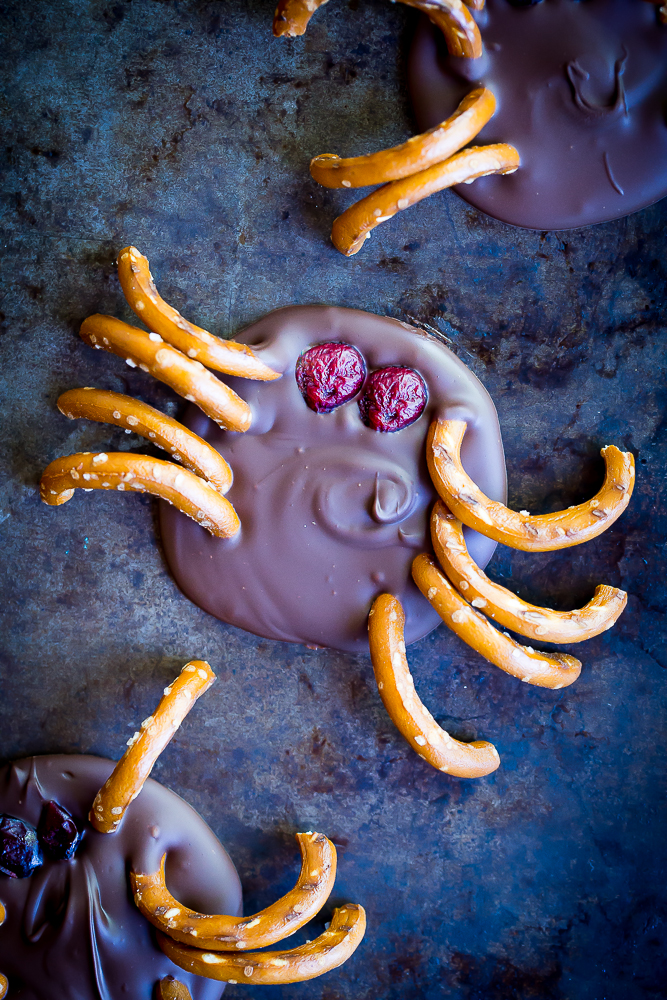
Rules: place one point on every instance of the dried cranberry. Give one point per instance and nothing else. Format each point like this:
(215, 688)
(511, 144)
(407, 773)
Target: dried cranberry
(20, 852)
(58, 833)
(393, 398)
(329, 375)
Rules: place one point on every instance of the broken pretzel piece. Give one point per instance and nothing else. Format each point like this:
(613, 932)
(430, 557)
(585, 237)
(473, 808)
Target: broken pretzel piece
(410, 716)
(223, 355)
(114, 408)
(266, 968)
(416, 154)
(550, 670)
(355, 224)
(170, 989)
(292, 16)
(186, 377)
(539, 533)
(130, 773)
(226, 933)
(124, 472)
(504, 607)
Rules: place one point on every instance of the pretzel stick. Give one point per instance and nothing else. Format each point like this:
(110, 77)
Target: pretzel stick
(292, 16)
(170, 989)
(505, 607)
(266, 968)
(416, 154)
(125, 411)
(455, 21)
(552, 670)
(122, 471)
(224, 933)
(539, 533)
(186, 377)
(224, 355)
(414, 722)
(130, 773)
(450, 16)
(355, 224)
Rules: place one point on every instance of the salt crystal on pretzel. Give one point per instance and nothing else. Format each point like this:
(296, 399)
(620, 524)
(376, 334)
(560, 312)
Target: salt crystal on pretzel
(506, 608)
(416, 154)
(551, 670)
(139, 473)
(225, 933)
(130, 773)
(186, 377)
(165, 432)
(355, 224)
(538, 533)
(223, 355)
(410, 716)
(266, 968)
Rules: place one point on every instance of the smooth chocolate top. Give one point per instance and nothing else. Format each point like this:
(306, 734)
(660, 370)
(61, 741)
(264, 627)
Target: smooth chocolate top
(332, 512)
(72, 929)
(582, 94)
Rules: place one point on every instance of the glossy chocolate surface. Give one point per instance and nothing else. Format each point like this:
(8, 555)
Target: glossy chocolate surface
(72, 930)
(582, 94)
(332, 512)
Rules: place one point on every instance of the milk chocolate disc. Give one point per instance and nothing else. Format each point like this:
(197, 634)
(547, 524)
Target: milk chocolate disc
(71, 928)
(582, 94)
(332, 512)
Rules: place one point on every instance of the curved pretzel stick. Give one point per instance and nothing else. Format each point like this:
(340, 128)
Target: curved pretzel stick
(505, 607)
(551, 670)
(356, 223)
(539, 533)
(128, 777)
(416, 154)
(450, 16)
(386, 622)
(122, 471)
(292, 16)
(455, 21)
(170, 989)
(266, 968)
(170, 435)
(224, 355)
(224, 933)
(186, 377)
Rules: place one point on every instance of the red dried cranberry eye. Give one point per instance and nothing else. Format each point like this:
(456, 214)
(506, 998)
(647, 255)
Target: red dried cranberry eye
(329, 375)
(20, 852)
(393, 398)
(58, 833)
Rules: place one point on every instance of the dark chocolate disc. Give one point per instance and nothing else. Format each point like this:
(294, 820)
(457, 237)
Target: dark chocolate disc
(582, 93)
(71, 928)
(332, 512)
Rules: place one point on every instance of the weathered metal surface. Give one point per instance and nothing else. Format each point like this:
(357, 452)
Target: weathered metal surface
(185, 129)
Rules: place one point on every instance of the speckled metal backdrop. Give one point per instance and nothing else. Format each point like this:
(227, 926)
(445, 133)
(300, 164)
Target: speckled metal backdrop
(186, 129)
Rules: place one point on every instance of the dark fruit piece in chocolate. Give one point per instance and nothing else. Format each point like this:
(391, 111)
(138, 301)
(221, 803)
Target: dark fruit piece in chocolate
(20, 852)
(394, 397)
(58, 833)
(329, 375)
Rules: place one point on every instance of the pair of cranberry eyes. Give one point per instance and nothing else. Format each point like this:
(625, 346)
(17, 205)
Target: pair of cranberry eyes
(329, 375)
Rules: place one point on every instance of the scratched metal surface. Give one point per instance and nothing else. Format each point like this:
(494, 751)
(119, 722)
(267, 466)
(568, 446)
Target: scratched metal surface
(186, 129)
